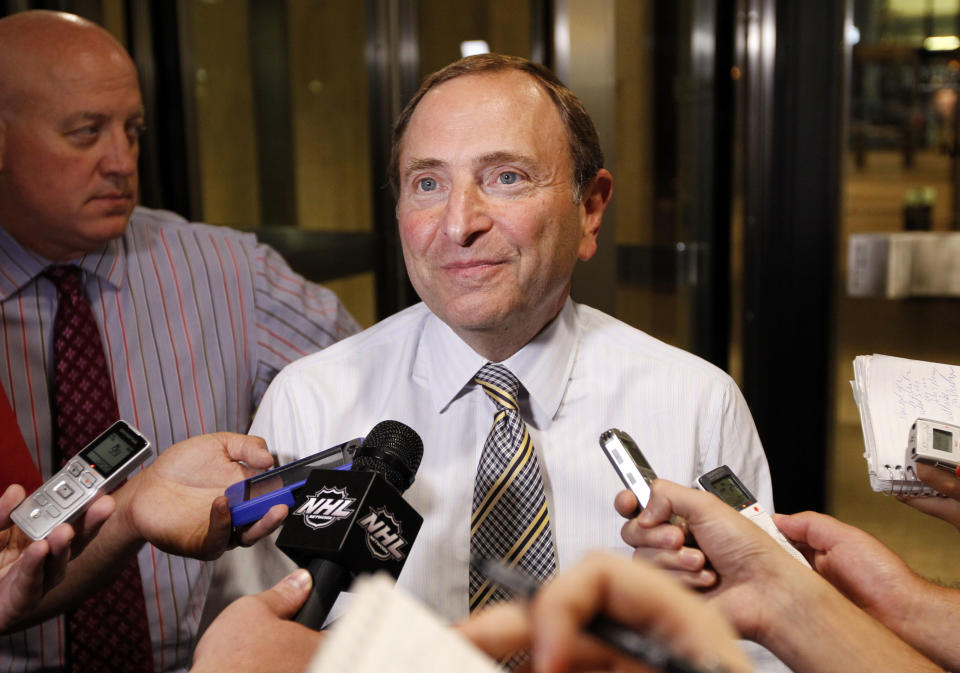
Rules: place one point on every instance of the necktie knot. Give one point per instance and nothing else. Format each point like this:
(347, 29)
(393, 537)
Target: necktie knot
(499, 384)
(67, 278)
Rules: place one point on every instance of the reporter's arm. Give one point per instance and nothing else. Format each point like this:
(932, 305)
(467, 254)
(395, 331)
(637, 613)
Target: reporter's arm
(176, 504)
(255, 634)
(772, 599)
(877, 580)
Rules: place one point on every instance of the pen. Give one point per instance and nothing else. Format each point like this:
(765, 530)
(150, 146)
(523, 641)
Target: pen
(626, 640)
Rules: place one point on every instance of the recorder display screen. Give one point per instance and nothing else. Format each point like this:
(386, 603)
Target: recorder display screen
(942, 441)
(730, 492)
(109, 453)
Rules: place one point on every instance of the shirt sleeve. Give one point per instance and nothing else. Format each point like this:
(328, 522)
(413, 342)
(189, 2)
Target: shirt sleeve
(739, 446)
(294, 317)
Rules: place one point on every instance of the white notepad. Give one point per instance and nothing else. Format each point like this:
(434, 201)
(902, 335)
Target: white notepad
(891, 393)
(386, 629)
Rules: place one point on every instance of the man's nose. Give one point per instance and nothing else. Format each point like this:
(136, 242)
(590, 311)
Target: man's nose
(120, 154)
(466, 215)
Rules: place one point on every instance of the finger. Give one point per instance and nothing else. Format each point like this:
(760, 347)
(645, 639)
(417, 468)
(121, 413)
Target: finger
(947, 509)
(663, 536)
(626, 504)
(818, 531)
(288, 595)
(219, 529)
(268, 523)
(247, 449)
(12, 496)
(704, 578)
(60, 539)
(659, 508)
(940, 480)
(89, 525)
(631, 593)
(499, 630)
(26, 580)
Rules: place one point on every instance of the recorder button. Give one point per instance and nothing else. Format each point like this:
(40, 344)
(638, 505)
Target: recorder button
(63, 490)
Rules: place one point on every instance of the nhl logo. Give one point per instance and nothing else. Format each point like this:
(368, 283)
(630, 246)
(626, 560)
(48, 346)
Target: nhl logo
(325, 507)
(384, 538)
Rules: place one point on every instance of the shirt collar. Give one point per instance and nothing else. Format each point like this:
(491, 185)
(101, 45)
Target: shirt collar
(447, 364)
(19, 266)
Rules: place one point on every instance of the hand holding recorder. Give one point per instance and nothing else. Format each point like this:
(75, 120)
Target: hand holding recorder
(637, 475)
(30, 568)
(943, 481)
(767, 595)
(176, 503)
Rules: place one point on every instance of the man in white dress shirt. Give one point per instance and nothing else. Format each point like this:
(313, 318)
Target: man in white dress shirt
(500, 192)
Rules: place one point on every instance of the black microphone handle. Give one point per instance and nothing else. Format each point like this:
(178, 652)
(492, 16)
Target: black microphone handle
(329, 579)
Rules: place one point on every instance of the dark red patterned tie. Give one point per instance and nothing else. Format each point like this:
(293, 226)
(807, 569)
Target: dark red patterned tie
(108, 632)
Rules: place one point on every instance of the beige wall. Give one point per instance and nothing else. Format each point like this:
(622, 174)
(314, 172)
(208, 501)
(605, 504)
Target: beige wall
(443, 25)
(229, 187)
(329, 125)
(330, 118)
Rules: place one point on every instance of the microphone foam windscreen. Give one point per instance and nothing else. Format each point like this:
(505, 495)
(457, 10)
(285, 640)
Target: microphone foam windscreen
(393, 450)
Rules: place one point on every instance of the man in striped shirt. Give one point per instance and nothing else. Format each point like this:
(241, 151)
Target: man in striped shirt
(195, 320)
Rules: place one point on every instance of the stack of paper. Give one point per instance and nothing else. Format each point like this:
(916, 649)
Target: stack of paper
(386, 629)
(891, 394)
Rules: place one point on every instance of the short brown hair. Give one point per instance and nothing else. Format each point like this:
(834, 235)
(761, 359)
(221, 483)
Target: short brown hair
(581, 133)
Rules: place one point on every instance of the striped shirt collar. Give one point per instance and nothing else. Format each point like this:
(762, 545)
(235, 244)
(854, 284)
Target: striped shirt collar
(19, 266)
(445, 364)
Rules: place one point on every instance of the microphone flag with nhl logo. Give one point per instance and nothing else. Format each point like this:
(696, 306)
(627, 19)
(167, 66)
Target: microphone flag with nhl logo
(354, 519)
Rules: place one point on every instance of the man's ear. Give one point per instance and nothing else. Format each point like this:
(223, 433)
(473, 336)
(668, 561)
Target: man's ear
(594, 202)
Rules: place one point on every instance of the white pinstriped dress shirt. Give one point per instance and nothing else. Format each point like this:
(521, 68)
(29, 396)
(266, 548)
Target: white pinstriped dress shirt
(585, 373)
(196, 321)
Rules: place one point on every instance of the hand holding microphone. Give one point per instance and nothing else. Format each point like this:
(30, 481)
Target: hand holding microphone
(348, 522)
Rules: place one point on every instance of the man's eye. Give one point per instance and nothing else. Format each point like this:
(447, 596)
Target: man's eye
(85, 132)
(508, 178)
(136, 131)
(427, 185)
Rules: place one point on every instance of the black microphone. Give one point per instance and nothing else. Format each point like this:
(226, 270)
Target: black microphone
(344, 523)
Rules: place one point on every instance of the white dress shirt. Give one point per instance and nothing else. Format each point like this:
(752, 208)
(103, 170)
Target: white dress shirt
(585, 373)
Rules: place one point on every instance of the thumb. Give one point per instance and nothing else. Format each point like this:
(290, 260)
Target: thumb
(217, 539)
(816, 530)
(288, 595)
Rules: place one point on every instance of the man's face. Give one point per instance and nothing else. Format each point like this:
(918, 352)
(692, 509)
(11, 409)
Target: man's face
(68, 154)
(488, 224)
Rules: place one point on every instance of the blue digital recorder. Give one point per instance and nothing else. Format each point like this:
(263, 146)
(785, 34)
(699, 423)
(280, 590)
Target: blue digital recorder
(250, 499)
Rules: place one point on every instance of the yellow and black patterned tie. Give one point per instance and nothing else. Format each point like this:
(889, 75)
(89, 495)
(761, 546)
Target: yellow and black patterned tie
(510, 520)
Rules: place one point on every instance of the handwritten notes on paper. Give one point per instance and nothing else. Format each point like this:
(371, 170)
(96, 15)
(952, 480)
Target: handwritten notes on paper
(891, 394)
(927, 390)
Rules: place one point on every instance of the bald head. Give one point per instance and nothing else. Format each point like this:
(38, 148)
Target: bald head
(70, 123)
(38, 45)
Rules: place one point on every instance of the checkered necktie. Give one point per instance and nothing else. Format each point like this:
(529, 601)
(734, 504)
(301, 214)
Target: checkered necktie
(510, 520)
(109, 631)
